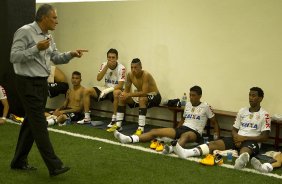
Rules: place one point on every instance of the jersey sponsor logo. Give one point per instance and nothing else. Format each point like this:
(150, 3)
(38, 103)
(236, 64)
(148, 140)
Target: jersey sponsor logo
(111, 81)
(267, 121)
(251, 125)
(193, 116)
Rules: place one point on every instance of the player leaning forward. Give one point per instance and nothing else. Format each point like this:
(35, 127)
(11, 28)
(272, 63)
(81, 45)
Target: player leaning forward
(146, 96)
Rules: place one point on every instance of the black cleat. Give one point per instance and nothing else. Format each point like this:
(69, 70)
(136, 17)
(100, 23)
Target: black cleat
(59, 171)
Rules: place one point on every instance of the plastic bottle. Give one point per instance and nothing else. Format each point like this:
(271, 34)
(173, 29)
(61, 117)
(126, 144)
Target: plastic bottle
(184, 99)
(229, 156)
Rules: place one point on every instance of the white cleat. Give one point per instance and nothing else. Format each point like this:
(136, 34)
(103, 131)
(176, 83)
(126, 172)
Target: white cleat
(84, 121)
(242, 161)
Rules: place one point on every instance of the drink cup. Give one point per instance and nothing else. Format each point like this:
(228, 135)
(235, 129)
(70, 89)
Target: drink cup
(229, 156)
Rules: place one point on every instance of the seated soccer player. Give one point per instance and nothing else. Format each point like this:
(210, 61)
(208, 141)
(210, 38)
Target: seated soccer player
(72, 107)
(57, 83)
(196, 114)
(4, 106)
(146, 96)
(251, 127)
(114, 74)
(267, 167)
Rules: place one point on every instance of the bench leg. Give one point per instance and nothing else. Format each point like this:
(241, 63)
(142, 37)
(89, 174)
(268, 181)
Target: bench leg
(277, 136)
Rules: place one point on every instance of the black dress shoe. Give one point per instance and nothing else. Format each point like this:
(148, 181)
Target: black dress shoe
(25, 168)
(59, 171)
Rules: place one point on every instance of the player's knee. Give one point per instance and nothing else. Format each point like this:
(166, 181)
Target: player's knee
(117, 93)
(62, 118)
(245, 149)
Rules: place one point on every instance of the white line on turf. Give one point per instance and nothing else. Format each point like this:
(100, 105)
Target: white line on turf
(151, 151)
(148, 150)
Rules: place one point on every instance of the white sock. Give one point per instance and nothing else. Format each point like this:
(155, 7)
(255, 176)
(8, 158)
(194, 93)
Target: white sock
(266, 167)
(142, 121)
(135, 138)
(119, 118)
(184, 153)
(87, 115)
(114, 118)
(122, 138)
(118, 123)
(51, 122)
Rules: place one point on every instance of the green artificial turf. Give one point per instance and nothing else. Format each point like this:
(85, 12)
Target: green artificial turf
(97, 162)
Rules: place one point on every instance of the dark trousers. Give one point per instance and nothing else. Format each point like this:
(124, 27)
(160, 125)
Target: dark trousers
(33, 95)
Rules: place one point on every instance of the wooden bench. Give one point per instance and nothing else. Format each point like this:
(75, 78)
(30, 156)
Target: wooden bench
(276, 138)
(176, 110)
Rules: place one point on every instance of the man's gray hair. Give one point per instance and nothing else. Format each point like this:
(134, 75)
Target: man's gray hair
(43, 10)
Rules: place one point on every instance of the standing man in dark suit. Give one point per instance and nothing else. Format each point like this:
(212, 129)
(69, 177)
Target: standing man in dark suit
(32, 51)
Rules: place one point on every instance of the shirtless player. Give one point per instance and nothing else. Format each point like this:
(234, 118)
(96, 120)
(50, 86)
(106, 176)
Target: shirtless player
(146, 96)
(72, 107)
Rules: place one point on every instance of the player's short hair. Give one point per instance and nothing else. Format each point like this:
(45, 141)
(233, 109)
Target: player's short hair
(136, 61)
(42, 11)
(196, 89)
(113, 51)
(76, 73)
(259, 90)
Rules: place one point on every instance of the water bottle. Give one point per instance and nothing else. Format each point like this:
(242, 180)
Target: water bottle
(229, 156)
(184, 99)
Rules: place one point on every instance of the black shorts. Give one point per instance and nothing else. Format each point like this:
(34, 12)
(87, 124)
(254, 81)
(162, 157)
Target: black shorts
(75, 116)
(153, 101)
(109, 96)
(54, 89)
(180, 130)
(252, 145)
